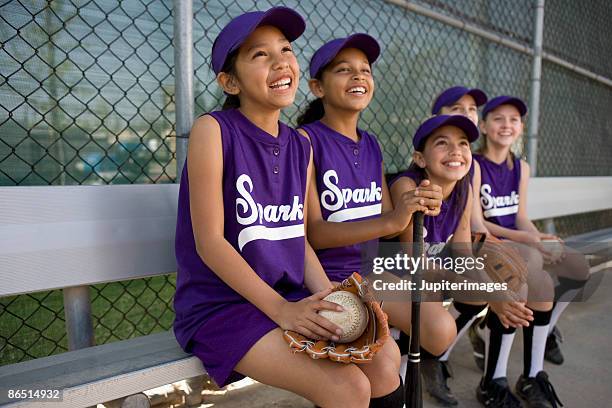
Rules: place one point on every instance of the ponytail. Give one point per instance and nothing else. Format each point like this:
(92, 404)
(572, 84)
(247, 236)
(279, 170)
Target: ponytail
(231, 102)
(314, 111)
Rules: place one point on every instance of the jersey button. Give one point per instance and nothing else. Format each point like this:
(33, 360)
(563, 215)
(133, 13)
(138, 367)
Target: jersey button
(356, 151)
(275, 170)
(357, 164)
(276, 150)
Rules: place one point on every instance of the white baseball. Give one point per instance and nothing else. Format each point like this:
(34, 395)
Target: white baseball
(554, 247)
(352, 320)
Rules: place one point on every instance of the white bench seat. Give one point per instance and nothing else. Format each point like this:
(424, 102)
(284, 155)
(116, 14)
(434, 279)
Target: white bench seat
(102, 373)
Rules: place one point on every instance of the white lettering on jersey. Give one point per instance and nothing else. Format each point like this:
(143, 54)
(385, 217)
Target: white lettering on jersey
(433, 249)
(250, 212)
(497, 206)
(333, 199)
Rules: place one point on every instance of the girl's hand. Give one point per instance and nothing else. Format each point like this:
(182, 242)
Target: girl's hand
(512, 313)
(532, 239)
(551, 259)
(434, 193)
(543, 235)
(302, 317)
(426, 198)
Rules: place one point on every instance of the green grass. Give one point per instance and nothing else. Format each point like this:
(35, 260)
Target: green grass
(33, 326)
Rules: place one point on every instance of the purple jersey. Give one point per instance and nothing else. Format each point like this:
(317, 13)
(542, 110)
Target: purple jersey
(439, 230)
(264, 181)
(349, 185)
(499, 189)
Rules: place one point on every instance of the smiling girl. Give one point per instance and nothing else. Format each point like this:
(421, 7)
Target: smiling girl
(503, 195)
(245, 270)
(349, 204)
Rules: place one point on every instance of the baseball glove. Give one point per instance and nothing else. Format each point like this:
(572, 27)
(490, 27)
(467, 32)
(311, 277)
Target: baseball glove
(502, 262)
(361, 350)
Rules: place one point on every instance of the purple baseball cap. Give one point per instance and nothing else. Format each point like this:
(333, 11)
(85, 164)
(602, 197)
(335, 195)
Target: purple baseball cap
(504, 100)
(452, 95)
(436, 122)
(329, 50)
(236, 31)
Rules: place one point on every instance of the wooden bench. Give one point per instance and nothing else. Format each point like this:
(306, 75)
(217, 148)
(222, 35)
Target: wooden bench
(71, 237)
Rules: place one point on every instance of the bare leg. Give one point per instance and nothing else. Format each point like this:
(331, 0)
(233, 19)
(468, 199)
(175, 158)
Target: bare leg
(438, 329)
(325, 383)
(383, 371)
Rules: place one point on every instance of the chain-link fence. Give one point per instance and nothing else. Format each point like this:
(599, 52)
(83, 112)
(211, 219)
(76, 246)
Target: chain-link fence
(87, 97)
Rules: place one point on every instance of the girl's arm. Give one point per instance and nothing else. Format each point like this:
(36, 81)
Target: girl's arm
(462, 238)
(523, 222)
(315, 278)
(477, 219)
(402, 186)
(401, 208)
(205, 167)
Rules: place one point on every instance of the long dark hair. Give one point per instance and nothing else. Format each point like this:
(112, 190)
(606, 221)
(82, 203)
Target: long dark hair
(314, 110)
(231, 101)
(462, 188)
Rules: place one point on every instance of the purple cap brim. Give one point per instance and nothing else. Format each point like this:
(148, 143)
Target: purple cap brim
(231, 37)
(504, 100)
(328, 51)
(436, 122)
(452, 95)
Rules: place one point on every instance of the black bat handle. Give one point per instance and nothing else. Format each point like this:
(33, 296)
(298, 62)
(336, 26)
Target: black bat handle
(414, 396)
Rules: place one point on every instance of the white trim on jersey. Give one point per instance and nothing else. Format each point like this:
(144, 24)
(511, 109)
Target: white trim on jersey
(269, 233)
(355, 213)
(498, 212)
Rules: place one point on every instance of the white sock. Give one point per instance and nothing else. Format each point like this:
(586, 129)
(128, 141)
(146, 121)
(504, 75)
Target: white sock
(464, 329)
(556, 313)
(501, 368)
(537, 349)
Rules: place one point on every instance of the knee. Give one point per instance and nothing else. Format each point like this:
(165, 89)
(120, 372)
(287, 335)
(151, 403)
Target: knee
(535, 261)
(578, 267)
(352, 391)
(541, 287)
(383, 371)
(439, 334)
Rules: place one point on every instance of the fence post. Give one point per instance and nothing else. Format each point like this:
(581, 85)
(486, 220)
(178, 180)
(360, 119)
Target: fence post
(183, 78)
(536, 75)
(77, 310)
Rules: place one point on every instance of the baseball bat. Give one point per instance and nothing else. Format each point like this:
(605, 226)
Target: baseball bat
(413, 392)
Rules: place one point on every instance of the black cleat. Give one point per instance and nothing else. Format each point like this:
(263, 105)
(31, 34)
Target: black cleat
(478, 344)
(552, 352)
(497, 394)
(435, 373)
(538, 392)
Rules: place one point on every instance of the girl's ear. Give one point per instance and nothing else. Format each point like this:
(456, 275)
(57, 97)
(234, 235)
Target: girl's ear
(228, 83)
(481, 126)
(419, 159)
(316, 88)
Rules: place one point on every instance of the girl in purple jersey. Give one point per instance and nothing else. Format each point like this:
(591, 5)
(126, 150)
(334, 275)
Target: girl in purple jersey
(464, 101)
(442, 154)
(349, 206)
(245, 270)
(502, 186)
